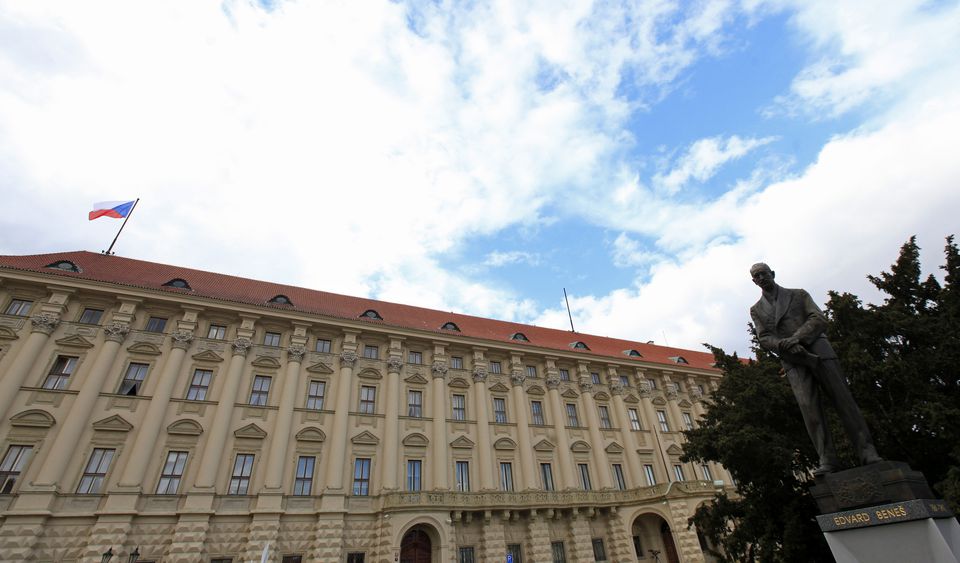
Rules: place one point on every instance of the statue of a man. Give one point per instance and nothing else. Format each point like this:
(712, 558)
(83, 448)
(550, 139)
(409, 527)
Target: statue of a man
(790, 325)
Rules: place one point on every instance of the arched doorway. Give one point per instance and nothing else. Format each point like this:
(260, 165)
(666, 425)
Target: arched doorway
(653, 540)
(415, 547)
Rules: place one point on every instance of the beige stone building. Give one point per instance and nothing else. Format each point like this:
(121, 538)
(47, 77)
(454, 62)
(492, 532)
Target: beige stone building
(194, 416)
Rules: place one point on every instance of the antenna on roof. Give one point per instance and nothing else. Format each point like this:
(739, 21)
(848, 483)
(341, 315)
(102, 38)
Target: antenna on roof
(568, 310)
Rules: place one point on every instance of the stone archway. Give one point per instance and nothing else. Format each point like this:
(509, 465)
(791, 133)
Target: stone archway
(416, 546)
(653, 539)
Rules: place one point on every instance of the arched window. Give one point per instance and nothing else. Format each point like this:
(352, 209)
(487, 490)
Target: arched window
(281, 300)
(679, 360)
(450, 326)
(371, 314)
(64, 265)
(178, 283)
(519, 336)
(632, 353)
(578, 345)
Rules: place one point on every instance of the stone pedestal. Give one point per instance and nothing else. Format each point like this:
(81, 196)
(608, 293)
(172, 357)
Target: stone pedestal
(885, 512)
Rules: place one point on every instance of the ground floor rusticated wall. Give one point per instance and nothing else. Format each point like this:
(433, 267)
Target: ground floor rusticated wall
(482, 523)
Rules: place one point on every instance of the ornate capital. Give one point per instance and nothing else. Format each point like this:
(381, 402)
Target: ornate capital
(45, 323)
(439, 369)
(673, 391)
(394, 364)
(479, 373)
(116, 331)
(696, 393)
(645, 388)
(295, 352)
(241, 346)
(517, 377)
(553, 381)
(348, 358)
(585, 384)
(182, 339)
(616, 386)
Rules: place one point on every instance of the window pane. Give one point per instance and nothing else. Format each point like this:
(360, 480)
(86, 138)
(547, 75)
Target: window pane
(584, 471)
(156, 324)
(199, 385)
(315, 392)
(459, 407)
(546, 476)
(95, 471)
(463, 476)
(456, 362)
(495, 367)
(414, 467)
(368, 396)
(500, 411)
(271, 339)
(260, 391)
(536, 407)
(506, 477)
(415, 404)
(12, 465)
(91, 316)
(651, 476)
(415, 357)
(303, 481)
(19, 307)
(361, 477)
(323, 346)
(172, 473)
(572, 419)
(217, 332)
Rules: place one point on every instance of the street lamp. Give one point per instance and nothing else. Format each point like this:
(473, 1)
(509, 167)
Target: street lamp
(107, 556)
(135, 556)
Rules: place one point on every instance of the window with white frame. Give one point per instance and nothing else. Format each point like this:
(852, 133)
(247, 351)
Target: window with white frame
(662, 419)
(459, 407)
(95, 472)
(19, 307)
(707, 475)
(618, 480)
(217, 332)
(546, 476)
(499, 410)
(156, 324)
(564, 374)
(199, 384)
(303, 480)
(414, 357)
(315, 393)
(60, 372)
(649, 474)
(368, 399)
(371, 352)
(532, 371)
(260, 392)
(599, 552)
(415, 403)
(595, 377)
(171, 473)
(240, 477)
(687, 420)
(456, 362)
(536, 409)
(584, 471)
(495, 367)
(604, 416)
(323, 346)
(133, 379)
(634, 419)
(506, 476)
(572, 418)
(462, 475)
(361, 477)
(678, 472)
(557, 552)
(91, 316)
(12, 465)
(271, 339)
(414, 474)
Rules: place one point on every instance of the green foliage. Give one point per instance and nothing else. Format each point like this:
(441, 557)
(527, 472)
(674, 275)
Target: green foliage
(901, 359)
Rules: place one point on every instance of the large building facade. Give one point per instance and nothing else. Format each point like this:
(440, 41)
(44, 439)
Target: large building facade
(193, 416)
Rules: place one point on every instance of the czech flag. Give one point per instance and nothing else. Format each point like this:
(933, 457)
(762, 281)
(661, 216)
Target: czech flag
(115, 209)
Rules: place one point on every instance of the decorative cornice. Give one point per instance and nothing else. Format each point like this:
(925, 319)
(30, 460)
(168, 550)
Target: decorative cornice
(182, 339)
(348, 358)
(295, 352)
(45, 323)
(616, 387)
(553, 381)
(394, 364)
(479, 373)
(116, 331)
(439, 369)
(241, 346)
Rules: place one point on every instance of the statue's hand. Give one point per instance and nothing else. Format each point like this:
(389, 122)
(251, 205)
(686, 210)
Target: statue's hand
(788, 344)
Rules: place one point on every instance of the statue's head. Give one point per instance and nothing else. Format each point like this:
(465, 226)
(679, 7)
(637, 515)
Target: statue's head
(762, 275)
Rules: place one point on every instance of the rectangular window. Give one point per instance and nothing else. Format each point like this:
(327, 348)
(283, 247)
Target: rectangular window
(371, 352)
(687, 420)
(60, 372)
(495, 367)
(19, 307)
(133, 379)
(558, 553)
(707, 475)
(618, 481)
(532, 371)
(599, 553)
(604, 417)
(172, 473)
(356, 557)
(546, 476)
(584, 471)
(217, 332)
(499, 410)
(459, 407)
(506, 476)
(653, 383)
(634, 419)
(315, 392)
(156, 324)
(271, 339)
(463, 476)
(199, 385)
(572, 419)
(95, 471)
(536, 407)
(91, 316)
(595, 378)
(323, 346)
(700, 388)
(414, 357)
(651, 476)
(662, 418)
(303, 481)
(12, 465)
(222, 560)
(261, 391)
(415, 404)
(456, 362)
(678, 472)
(414, 472)
(466, 555)
(240, 478)
(361, 477)
(514, 550)
(368, 399)
(564, 374)
(292, 559)
(625, 381)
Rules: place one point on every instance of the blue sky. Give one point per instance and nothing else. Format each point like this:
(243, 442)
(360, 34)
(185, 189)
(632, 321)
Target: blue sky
(480, 157)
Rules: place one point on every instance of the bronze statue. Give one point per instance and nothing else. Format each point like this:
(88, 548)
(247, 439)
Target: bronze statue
(790, 325)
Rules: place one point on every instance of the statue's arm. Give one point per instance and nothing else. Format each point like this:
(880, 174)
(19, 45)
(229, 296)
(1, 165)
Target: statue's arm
(766, 338)
(814, 324)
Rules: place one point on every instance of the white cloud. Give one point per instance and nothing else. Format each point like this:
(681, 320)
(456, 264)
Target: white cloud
(496, 258)
(703, 158)
(627, 252)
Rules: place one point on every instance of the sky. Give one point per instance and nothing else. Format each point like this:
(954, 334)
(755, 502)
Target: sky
(481, 157)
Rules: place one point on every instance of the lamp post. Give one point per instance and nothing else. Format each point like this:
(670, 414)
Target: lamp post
(108, 555)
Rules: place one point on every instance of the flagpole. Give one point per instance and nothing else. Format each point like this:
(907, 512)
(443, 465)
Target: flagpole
(127, 218)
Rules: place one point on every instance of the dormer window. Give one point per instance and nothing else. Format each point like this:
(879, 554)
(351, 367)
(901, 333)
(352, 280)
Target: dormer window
(632, 353)
(371, 314)
(578, 345)
(519, 336)
(65, 265)
(450, 326)
(281, 300)
(178, 283)
(679, 360)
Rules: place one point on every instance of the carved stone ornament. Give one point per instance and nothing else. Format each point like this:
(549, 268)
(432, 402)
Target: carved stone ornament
(182, 339)
(616, 386)
(673, 391)
(553, 381)
(241, 346)
(517, 377)
(45, 323)
(116, 332)
(586, 385)
(439, 369)
(479, 373)
(394, 364)
(696, 393)
(295, 352)
(348, 358)
(645, 388)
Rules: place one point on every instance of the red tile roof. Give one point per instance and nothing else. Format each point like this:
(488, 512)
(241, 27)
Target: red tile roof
(149, 275)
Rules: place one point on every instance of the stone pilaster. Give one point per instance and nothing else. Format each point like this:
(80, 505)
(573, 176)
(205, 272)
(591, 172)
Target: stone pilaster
(41, 327)
(581, 544)
(520, 406)
(391, 438)
(597, 448)
(484, 449)
(189, 539)
(494, 545)
(328, 541)
(634, 471)
(438, 440)
(265, 529)
(110, 532)
(280, 437)
(564, 459)
(619, 539)
(538, 534)
(337, 455)
(685, 538)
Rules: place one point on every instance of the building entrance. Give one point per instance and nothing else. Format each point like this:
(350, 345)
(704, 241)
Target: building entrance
(415, 547)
